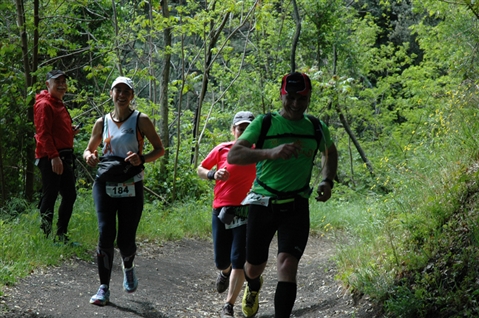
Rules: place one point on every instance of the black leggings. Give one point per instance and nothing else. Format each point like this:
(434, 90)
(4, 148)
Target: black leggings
(128, 210)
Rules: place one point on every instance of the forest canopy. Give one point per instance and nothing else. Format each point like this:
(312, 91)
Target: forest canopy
(379, 70)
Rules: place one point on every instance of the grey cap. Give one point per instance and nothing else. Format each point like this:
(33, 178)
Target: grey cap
(243, 117)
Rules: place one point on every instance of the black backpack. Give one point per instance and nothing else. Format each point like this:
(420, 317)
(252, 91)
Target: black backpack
(265, 125)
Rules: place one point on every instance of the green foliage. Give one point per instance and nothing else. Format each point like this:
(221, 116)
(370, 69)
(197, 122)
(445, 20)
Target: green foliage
(15, 207)
(417, 253)
(185, 219)
(188, 184)
(447, 285)
(15, 130)
(401, 73)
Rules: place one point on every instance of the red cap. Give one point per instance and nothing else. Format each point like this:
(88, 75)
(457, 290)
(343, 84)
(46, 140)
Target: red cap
(296, 83)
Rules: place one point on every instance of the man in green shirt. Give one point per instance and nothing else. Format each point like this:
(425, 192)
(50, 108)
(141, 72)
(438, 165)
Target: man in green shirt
(279, 196)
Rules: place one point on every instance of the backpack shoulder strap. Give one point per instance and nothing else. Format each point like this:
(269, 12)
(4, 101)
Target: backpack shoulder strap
(103, 125)
(266, 123)
(318, 131)
(103, 128)
(138, 124)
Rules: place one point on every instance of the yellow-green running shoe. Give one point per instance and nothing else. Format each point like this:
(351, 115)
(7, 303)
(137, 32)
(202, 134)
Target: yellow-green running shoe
(250, 304)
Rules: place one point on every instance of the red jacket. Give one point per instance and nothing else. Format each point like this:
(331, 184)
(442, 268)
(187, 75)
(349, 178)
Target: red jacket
(53, 124)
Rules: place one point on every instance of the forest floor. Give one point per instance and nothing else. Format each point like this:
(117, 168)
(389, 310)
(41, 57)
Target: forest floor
(177, 279)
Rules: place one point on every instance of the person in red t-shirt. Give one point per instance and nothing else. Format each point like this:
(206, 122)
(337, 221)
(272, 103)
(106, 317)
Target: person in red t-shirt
(54, 154)
(229, 217)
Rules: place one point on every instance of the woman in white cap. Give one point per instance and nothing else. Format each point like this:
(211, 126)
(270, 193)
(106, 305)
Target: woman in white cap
(122, 133)
(229, 218)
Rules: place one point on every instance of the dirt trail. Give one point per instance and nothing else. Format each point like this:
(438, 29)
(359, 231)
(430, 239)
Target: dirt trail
(176, 279)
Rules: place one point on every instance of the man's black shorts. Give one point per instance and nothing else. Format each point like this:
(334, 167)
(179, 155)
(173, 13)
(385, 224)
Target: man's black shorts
(289, 220)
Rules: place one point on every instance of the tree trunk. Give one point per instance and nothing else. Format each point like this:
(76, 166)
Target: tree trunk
(29, 81)
(354, 140)
(2, 175)
(164, 109)
(297, 33)
(117, 31)
(208, 64)
(178, 120)
(204, 85)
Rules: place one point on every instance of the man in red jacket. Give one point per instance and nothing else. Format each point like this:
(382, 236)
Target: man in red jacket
(54, 154)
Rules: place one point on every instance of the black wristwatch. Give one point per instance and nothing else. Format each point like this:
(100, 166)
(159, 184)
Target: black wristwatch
(142, 158)
(328, 181)
(211, 174)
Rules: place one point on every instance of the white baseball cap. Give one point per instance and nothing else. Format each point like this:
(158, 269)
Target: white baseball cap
(124, 80)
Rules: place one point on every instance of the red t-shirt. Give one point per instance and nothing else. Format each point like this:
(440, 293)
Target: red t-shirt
(232, 191)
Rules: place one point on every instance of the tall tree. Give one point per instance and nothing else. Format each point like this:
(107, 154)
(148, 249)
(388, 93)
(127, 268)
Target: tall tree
(297, 34)
(213, 33)
(164, 84)
(30, 67)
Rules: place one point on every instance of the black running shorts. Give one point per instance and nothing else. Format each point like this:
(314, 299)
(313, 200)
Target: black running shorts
(289, 220)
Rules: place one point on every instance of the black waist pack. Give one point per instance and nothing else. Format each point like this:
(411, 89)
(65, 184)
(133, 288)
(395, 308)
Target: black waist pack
(228, 213)
(116, 169)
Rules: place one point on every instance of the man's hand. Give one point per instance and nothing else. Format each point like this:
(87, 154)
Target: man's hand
(242, 154)
(76, 129)
(57, 165)
(285, 151)
(324, 192)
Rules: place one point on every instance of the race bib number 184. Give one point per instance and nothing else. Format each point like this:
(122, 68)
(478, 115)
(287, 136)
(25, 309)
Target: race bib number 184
(120, 190)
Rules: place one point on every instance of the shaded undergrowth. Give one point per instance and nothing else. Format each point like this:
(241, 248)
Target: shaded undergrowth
(448, 285)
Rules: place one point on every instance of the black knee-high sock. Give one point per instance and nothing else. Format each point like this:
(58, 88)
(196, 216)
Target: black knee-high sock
(284, 299)
(253, 284)
(104, 259)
